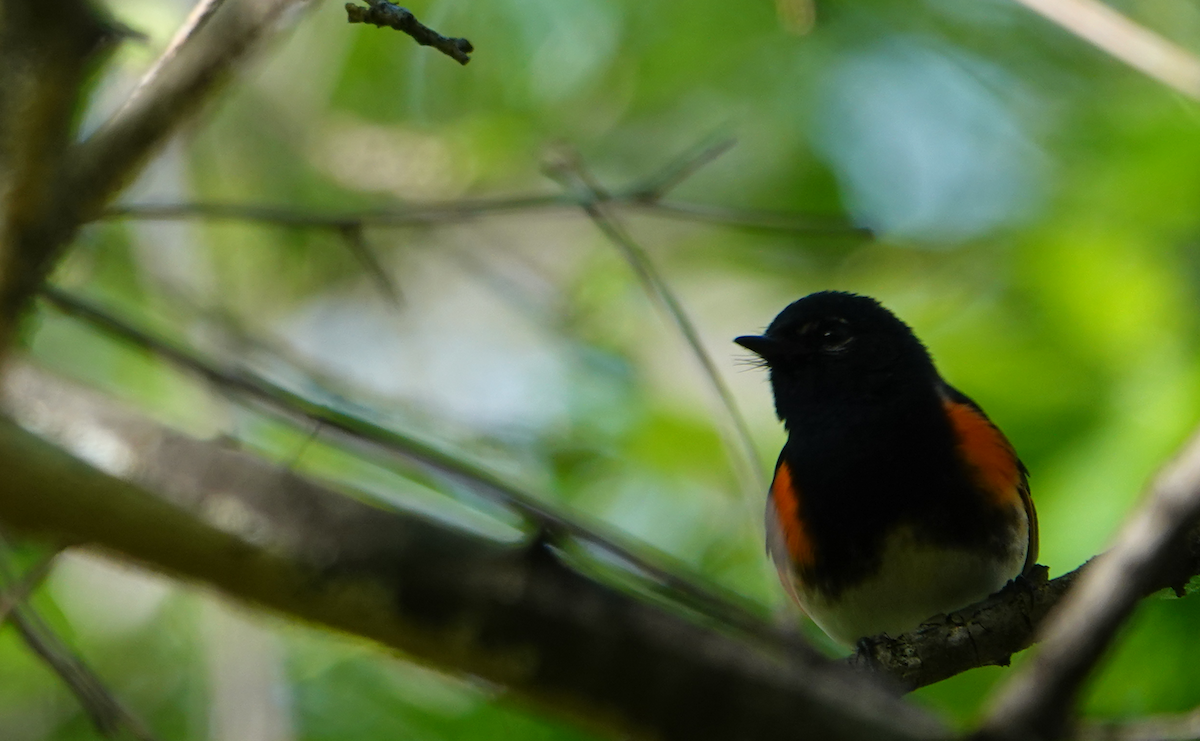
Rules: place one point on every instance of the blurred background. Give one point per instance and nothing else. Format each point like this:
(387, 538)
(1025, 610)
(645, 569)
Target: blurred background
(1036, 207)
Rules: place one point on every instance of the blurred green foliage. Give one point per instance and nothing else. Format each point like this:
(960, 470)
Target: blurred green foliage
(1037, 207)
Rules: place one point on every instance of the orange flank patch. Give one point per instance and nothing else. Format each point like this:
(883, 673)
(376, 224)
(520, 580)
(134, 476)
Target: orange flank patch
(787, 506)
(988, 453)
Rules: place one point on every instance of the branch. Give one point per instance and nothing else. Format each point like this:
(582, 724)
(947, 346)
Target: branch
(673, 580)
(360, 250)
(56, 187)
(645, 196)
(459, 211)
(1137, 46)
(45, 54)
(675, 173)
(510, 614)
(102, 707)
(18, 590)
(215, 40)
(989, 633)
(1037, 700)
(381, 13)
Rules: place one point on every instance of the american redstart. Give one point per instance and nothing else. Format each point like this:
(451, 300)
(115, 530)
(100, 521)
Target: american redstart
(895, 498)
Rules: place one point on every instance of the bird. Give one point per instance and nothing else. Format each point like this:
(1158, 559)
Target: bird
(895, 498)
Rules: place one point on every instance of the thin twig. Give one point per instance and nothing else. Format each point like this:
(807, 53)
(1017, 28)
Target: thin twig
(687, 165)
(753, 219)
(19, 590)
(107, 713)
(195, 21)
(1037, 701)
(415, 216)
(381, 13)
(101, 705)
(719, 605)
(770, 221)
(592, 198)
(644, 196)
(356, 242)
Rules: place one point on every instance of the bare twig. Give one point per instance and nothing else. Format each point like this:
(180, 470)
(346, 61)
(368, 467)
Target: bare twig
(18, 591)
(672, 175)
(101, 705)
(357, 243)
(592, 198)
(724, 607)
(753, 219)
(1037, 701)
(769, 221)
(201, 13)
(381, 13)
(401, 217)
(644, 196)
(1137, 46)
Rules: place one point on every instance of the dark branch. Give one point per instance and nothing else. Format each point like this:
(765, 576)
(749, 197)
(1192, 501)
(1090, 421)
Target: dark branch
(381, 13)
(45, 55)
(509, 613)
(1038, 700)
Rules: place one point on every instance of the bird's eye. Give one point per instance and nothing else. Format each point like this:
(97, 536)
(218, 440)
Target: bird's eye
(832, 335)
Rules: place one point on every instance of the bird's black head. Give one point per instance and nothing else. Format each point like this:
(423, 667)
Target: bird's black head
(833, 348)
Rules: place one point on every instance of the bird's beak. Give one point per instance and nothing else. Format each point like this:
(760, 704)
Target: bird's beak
(765, 347)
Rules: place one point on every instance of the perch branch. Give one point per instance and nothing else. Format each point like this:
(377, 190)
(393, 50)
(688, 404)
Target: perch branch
(989, 633)
(1037, 701)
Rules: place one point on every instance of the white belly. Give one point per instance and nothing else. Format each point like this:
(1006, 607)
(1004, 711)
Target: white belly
(916, 581)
